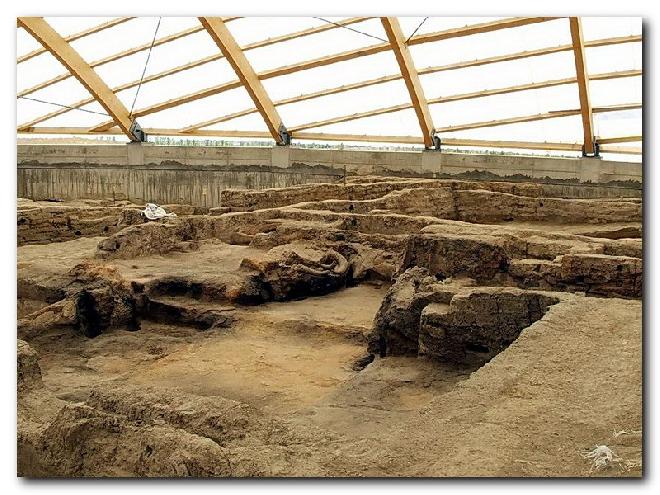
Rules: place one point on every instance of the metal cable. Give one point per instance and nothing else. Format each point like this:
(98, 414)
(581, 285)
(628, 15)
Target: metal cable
(146, 63)
(62, 106)
(350, 29)
(416, 29)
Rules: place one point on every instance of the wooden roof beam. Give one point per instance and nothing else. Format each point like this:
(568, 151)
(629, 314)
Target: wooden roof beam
(458, 97)
(622, 139)
(622, 150)
(76, 65)
(484, 27)
(511, 120)
(583, 86)
(340, 57)
(541, 116)
(199, 62)
(119, 55)
(315, 136)
(248, 77)
(354, 116)
(410, 77)
(434, 69)
(76, 36)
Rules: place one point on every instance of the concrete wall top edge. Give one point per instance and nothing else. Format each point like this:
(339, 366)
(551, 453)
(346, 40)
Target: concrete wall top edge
(414, 163)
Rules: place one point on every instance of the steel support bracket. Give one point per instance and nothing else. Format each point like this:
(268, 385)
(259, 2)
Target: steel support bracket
(137, 132)
(285, 136)
(437, 142)
(595, 154)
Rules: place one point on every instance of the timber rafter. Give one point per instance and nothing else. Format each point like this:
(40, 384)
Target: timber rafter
(121, 122)
(410, 77)
(248, 77)
(583, 85)
(76, 65)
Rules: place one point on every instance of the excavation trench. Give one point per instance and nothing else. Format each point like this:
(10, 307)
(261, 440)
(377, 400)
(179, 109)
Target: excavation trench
(385, 327)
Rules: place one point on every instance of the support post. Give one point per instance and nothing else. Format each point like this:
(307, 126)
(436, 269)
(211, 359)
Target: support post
(411, 78)
(82, 71)
(590, 147)
(225, 41)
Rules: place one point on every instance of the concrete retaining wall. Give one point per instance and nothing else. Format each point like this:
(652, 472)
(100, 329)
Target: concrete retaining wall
(196, 175)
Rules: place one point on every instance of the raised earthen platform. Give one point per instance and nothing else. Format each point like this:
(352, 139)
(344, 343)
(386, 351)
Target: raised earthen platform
(382, 327)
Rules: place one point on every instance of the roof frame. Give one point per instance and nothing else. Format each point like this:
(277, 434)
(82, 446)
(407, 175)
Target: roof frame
(411, 78)
(338, 89)
(351, 137)
(248, 77)
(536, 117)
(76, 36)
(81, 70)
(460, 97)
(267, 108)
(423, 71)
(340, 57)
(119, 55)
(199, 62)
(583, 86)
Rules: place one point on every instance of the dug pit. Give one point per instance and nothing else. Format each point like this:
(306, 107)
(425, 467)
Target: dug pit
(385, 327)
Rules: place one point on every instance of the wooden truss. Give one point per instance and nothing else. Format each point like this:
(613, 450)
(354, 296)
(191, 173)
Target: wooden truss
(76, 65)
(583, 85)
(122, 123)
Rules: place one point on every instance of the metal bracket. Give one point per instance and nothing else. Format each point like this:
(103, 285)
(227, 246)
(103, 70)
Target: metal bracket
(137, 132)
(285, 136)
(437, 142)
(596, 153)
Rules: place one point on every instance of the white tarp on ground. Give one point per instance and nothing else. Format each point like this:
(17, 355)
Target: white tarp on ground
(153, 212)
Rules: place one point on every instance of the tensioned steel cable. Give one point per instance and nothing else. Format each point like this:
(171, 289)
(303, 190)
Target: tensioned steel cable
(416, 29)
(146, 63)
(62, 106)
(350, 29)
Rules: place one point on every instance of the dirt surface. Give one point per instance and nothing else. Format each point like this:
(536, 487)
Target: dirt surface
(292, 336)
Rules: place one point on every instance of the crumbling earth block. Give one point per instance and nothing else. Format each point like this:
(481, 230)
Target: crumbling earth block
(479, 323)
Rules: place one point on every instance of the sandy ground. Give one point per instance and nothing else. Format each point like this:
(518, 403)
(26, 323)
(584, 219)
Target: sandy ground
(570, 382)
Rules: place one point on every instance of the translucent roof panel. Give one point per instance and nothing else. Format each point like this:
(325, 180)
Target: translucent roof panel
(349, 103)
(37, 70)
(163, 57)
(562, 130)
(392, 124)
(500, 75)
(199, 78)
(252, 122)
(88, 116)
(199, 111)
(630, 88)
(331, 76)
(71, 88)
(135, 32)
(608, 27)
(490, 44)
(614, 58)
(462, 77)
(329, 42)
(67, 26)
(25, 43)
(506, 106)
(618, 124)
